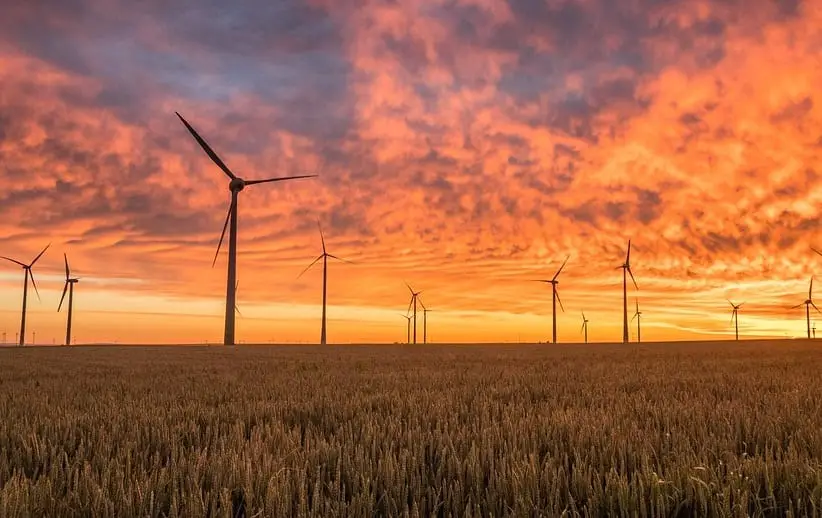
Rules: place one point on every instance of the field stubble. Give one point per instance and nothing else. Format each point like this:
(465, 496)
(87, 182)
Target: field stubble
(651, 430)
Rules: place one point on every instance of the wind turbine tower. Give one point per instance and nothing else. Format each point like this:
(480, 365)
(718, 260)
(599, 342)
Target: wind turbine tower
(69, 285)
(235, 186)
(735, 317)
(413, 302)
(808, 303)
(27, 273)
(626, 270)
(555, 297)
(638, 317)
(324, 256)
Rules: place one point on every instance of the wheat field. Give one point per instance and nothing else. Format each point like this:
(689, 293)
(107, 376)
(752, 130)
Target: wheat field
(716, 429)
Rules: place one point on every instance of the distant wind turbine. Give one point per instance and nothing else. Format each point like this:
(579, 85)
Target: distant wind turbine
(407, 328)
(638, 317)
(324, 256)
(626, 270)
(735, 316)
(236, 185)
(26, 274)
(584, 328)
(555, 297)
(808, 303)
(414, 296)
(425, 312)
(70, 282)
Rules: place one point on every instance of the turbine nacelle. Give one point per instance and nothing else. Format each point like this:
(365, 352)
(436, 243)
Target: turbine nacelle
(236, 184)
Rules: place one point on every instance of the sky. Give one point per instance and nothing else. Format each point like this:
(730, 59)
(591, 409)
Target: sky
(465, 147)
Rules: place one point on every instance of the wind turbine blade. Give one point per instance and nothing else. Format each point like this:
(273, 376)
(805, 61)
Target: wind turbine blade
(632, 277)
(40, 255)
(816, 308)
(733, 314)
(634, 317)
(65, 289)
(560, 268)
(407, 311)
(637, 306)
(560, 302)
(31, 275)
(210, 152)
(67, 267)
(421, 304)
(322, 238)
(581, 329)
(409, 289)
(628, 257)
(810, 290)
(815, 250)
(539, 280)
(12, 260)
(798, 306)
(283, 178)
(309, 266)
(341, 259)
(222, 235)
(731, 303)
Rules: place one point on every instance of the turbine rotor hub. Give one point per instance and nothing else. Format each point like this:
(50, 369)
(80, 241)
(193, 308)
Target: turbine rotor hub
(236, 185)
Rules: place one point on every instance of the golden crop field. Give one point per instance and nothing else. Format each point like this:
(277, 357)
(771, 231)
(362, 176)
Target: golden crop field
(653, 430)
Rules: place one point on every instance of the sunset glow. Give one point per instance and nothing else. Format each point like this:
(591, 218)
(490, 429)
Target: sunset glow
(463, 146)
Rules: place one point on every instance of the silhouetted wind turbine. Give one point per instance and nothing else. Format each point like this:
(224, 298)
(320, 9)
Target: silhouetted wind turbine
(808, 303)
(70, 282)
(555, 296)
(584, 327)
(236, 185)
(324, 256)
(407, 328)
(626, 270)
(425, 312)
(26, 274)
(414, 295)
(638, 317)
(735, 316)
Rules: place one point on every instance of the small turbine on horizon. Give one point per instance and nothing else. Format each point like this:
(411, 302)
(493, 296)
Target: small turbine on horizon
(808, 303)
(626, 270)
(555, 297)
(26, 274)
(425, 312)
(324, 256)
(414, 297)
(638, 317)
(584, 328)
(70, 282)
(407, 328)
(235, 185)
(735, 316)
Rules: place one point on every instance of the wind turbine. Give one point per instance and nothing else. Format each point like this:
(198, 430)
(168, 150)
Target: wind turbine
(626, 270)
(584, 327)
(808, 303)
(735, 316)
(236, 185)
(324, 256)
(70, 282)
(425, 312)
(407, 328)
(555, 296)
(638, 317)
(414, 296)
(26, 274)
